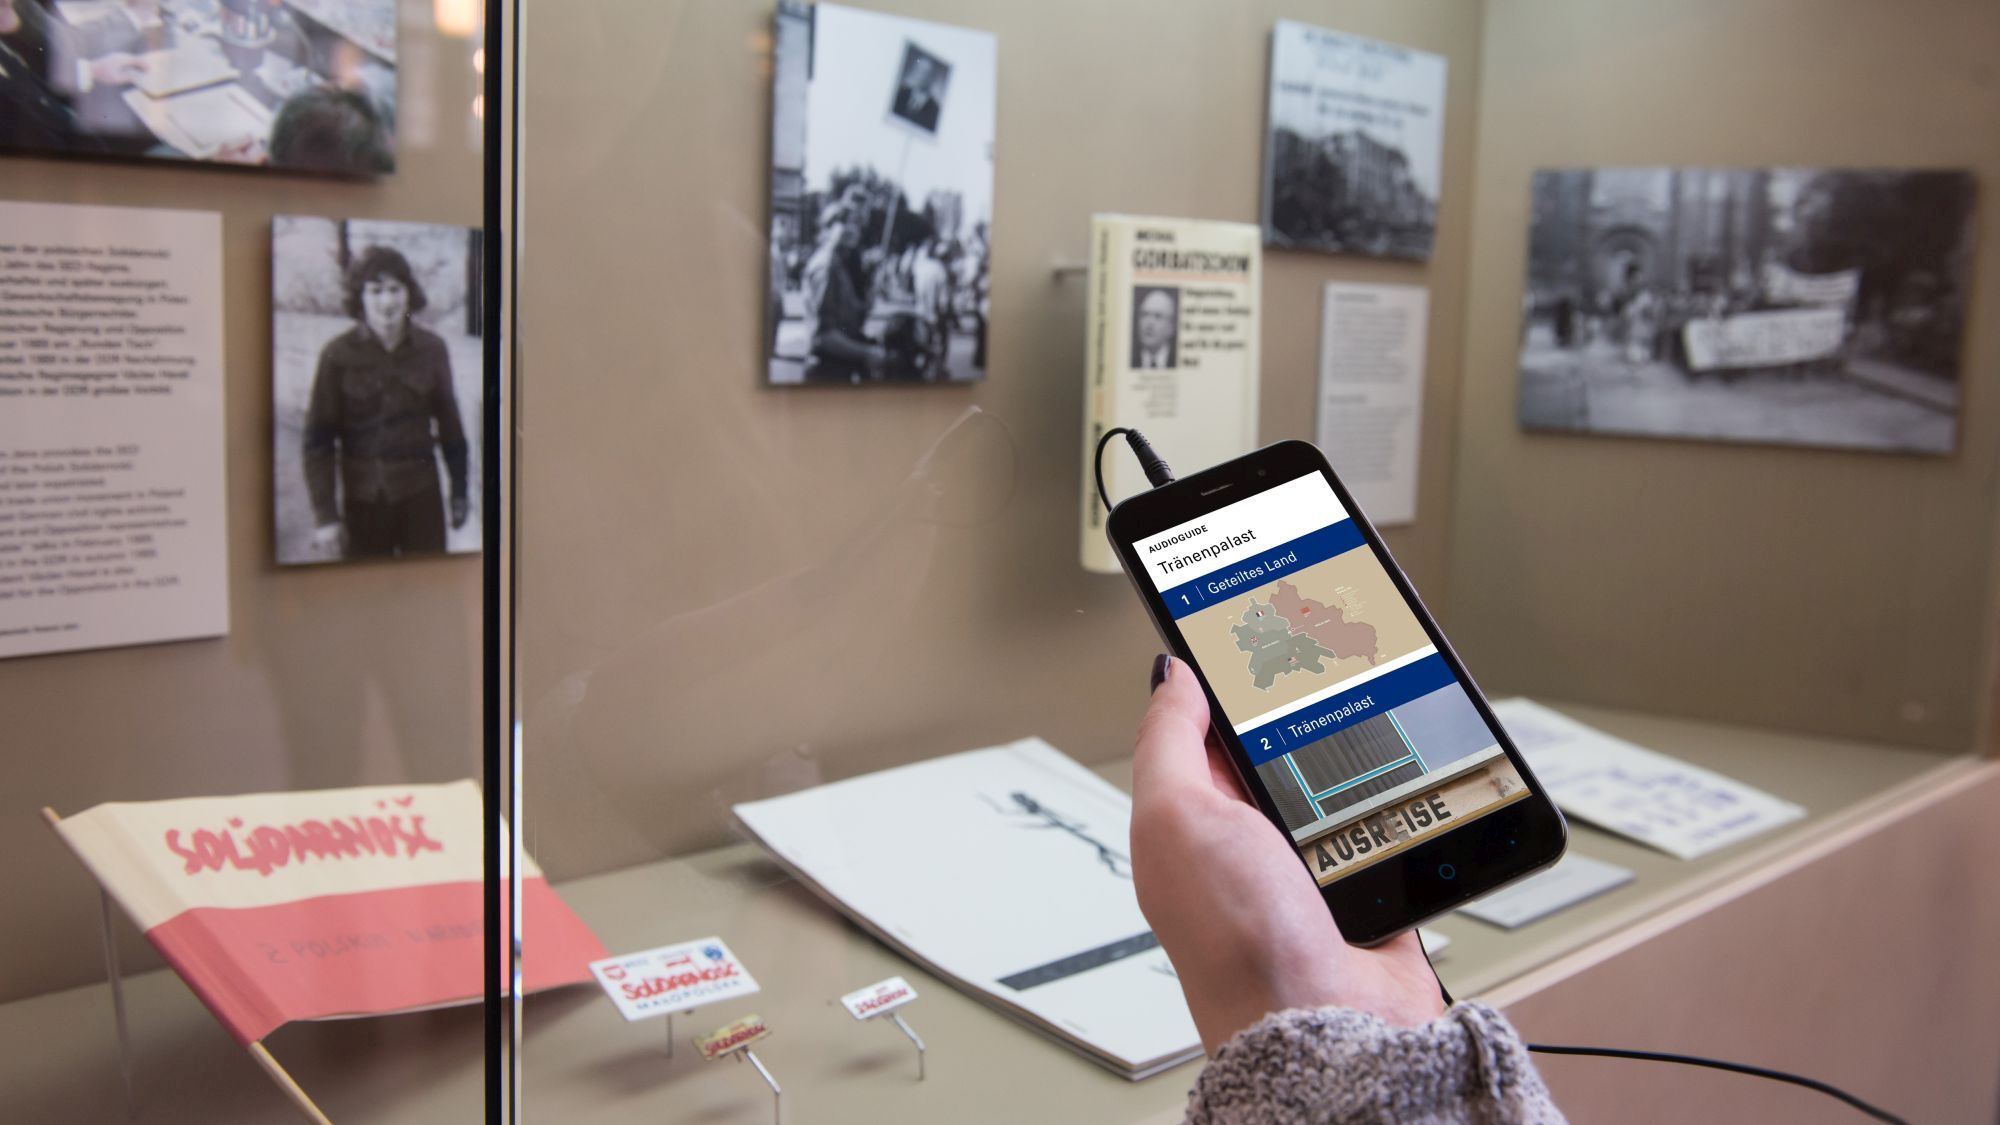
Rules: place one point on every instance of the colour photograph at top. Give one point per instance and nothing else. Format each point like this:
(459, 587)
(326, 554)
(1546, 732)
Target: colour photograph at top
(301, 85)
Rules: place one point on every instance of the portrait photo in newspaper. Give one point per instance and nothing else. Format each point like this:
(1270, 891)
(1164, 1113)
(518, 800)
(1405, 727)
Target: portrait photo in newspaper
(1354, 144)
(1804, 306)
(375, 394)
(305, 85)
(881, 199)
(1156, 326)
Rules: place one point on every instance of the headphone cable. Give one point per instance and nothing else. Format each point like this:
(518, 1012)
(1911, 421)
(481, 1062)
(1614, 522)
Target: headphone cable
(1692, 1060)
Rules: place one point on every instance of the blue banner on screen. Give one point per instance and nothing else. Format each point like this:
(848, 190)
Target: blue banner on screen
(1265, 566)
(1357, 704)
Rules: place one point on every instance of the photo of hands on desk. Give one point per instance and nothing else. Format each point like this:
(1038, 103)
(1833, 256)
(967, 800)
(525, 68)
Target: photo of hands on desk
(307, 85)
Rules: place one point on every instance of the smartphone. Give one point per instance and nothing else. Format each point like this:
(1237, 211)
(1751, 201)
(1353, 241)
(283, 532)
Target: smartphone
(1349, 718)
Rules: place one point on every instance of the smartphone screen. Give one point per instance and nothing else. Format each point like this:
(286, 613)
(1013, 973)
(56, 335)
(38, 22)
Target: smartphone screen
(1357, 727)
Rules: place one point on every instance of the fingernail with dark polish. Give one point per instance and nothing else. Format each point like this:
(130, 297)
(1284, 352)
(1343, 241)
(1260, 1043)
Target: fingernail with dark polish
(1161, 663)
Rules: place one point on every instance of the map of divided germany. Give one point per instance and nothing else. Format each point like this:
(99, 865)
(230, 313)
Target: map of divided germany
(1293, 633)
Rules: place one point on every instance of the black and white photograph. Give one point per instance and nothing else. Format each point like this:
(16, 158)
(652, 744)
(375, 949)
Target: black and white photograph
(304, 85)
(1800, 306)
(1355, 140)
(881, 199)
(375, 396)
(920, 88)
(1156, 327)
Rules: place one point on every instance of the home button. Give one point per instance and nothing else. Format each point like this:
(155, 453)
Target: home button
(1447, 871)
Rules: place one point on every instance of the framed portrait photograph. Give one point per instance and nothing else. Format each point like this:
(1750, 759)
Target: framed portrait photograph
(300, 85)
(881, 199)
(375, 390)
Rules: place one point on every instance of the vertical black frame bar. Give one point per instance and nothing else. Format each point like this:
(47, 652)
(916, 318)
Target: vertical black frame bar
(494, 678)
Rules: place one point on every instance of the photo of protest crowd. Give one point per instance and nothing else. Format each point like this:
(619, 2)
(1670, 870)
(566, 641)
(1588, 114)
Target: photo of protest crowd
(881, 196)
(1792, 305)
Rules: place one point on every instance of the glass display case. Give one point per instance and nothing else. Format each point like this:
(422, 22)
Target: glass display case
(262, 624)
(642, 456)
(809, 362)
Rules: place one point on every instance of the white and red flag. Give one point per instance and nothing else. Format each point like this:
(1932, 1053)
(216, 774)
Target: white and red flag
(276, 907)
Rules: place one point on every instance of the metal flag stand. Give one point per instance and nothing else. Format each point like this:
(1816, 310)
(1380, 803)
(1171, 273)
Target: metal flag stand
(115, 977)
(898, 1017)
(777, 1092)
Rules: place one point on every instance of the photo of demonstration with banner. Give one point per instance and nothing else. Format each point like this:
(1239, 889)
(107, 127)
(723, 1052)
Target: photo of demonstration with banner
(1806, 306)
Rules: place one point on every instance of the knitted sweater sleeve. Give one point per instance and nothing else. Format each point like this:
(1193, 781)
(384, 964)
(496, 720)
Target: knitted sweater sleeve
(1340, 1065)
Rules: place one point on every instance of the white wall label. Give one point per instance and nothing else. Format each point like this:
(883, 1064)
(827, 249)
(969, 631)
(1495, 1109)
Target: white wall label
(1371, 393)
(112, 522)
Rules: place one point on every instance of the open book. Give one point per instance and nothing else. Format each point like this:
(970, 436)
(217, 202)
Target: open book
(1005, 872)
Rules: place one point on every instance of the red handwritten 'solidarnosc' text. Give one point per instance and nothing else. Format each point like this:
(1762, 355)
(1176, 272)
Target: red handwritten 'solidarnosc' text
(267, 847)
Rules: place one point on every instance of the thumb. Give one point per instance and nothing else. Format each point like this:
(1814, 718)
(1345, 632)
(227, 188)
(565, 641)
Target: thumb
(1172, 752)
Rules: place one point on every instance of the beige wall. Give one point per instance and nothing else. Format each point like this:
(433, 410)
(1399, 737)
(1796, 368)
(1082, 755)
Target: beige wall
(1839, 593)
(333, 675)
(729, 589)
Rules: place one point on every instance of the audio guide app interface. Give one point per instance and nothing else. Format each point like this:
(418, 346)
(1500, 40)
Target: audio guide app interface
(1358, 730)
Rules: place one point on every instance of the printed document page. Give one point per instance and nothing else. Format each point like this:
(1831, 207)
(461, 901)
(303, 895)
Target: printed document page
(1662, 802)
(1371, 393)
(1008, 871)
(1573, 879)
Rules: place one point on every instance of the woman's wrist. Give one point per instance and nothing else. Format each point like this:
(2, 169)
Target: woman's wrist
(1332, 982)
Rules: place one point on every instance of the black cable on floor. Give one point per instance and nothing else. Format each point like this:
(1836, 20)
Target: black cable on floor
(1693, 1060)
(1719, 1064)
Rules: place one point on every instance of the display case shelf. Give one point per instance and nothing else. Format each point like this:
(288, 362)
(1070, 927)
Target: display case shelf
(584, 1064)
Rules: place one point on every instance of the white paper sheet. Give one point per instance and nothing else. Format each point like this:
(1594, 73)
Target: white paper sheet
(1573, 879)
(81, 13)
(1005, 870)
(1662, 802)
(200, 122)
(1371, 393)
(192, 64)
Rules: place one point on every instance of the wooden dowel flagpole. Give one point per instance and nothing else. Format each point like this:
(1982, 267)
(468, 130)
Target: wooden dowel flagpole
(277, 1073)
(286, 1083)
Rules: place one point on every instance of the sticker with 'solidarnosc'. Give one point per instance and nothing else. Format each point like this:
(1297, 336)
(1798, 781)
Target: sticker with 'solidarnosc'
(735, 1037)
(878, 998)
(673, 978)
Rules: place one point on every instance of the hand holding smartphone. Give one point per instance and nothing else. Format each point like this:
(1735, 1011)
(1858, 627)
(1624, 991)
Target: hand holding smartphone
(1247, 930)
(1349, 721)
